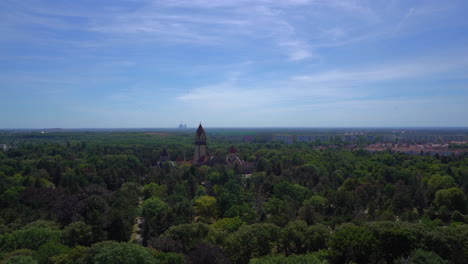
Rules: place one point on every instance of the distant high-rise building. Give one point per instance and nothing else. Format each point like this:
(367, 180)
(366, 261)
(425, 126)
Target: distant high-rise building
(182, 126)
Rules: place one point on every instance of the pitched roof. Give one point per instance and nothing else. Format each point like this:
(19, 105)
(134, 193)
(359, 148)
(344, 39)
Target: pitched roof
(200, 130)
(232, 149)
(202, 159)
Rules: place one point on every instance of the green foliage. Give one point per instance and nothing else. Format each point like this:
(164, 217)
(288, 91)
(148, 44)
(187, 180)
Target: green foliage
(299, 238)
(420, 256)
(182, 209)
(353, 243)
(293, 259)
(252, 241)
(123, 212)
(169, 258)
(229, 224)
(206, 206)
(395, 238)
(318, 237)
(154, 190)
(48, 250)
(99, 178)
(157, 215)
(437, 182)
(188, 234)
(42, 224)
(201, 191)
(73, 256)
(295, 237)
(118, 253)
(244, 212)
(295, 191)
(18, 252)
(318, 202)
(457, 216)
(77, 233)
(20, 260)
(280, 212)
(31, 237)
(453, 199)
(11, 195)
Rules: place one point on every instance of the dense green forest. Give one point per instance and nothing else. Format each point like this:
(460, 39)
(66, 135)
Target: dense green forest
(69, 198)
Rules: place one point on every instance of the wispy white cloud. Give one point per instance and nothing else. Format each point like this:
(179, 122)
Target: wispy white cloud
(314, 105)
(339, 94)
(448, 65)
(233, 95)
(297, 50)
(235, 3)
(403, 20)
(309, 24)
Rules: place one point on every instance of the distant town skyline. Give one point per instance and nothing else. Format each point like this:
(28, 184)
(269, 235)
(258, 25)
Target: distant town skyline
(233, 63)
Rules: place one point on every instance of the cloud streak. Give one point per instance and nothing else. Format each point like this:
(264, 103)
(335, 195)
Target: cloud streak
(440, 66)
(298, 28)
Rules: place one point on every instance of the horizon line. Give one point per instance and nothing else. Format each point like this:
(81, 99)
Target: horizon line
(244, 127)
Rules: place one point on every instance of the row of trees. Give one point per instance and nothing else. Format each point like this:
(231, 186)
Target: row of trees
(232, 240)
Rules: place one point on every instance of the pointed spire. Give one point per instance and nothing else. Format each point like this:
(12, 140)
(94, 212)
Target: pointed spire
(200, 130)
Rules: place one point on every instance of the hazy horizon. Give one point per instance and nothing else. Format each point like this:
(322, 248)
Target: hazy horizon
(188, 128)
(233, 63)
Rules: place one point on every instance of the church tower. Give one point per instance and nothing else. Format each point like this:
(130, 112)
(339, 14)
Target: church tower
(200, 145)
(164, 155)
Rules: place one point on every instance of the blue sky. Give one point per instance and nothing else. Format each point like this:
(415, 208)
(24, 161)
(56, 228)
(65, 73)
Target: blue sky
(233, 63)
